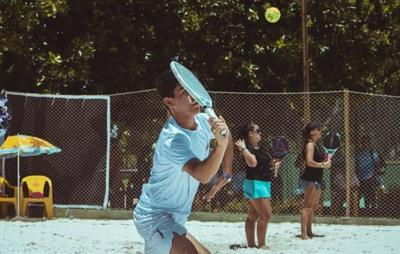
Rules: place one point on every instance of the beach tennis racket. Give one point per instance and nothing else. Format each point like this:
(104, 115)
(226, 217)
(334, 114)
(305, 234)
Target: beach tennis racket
(279, 147)
(331, 143)
(278, 150)
(194, 88)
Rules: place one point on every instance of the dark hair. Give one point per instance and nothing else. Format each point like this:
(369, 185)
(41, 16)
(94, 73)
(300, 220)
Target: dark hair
(308, 128)
(166, 83)
(245, 129)
(307, 133)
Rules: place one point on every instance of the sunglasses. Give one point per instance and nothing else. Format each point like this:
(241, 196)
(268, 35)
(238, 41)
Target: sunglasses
(258, 130)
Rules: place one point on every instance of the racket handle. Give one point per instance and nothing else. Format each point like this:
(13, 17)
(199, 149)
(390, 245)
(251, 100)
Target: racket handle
(330, 155)
(210, 112)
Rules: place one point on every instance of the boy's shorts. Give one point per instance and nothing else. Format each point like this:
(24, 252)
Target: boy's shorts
(157, 232)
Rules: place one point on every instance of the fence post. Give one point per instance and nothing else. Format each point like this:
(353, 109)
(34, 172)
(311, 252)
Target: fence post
(108, 147)
(346, 107)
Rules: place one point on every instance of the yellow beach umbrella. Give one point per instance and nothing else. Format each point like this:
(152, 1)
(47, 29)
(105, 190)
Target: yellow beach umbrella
(24, 146)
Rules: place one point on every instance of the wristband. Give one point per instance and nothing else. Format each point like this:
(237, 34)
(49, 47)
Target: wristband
(227, 176)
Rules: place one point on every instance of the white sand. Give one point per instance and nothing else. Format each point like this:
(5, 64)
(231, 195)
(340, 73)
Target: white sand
(119, 236)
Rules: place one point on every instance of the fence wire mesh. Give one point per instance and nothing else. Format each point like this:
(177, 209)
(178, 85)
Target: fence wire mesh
(79, 128)
(137, 118)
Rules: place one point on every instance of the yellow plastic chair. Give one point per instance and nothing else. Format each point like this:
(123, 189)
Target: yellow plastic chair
(8, 195)
(37, 189)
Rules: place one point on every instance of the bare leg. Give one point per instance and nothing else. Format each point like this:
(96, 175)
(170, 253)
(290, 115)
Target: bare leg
(306, 210)
(316, 197)
(252, 217)
(187, 245)
(264, 210)
(303, 221)
(309, 222)
(181, 244)
(199, 247)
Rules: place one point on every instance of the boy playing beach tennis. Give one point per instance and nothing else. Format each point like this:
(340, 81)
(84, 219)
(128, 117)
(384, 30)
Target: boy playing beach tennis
(181, 161)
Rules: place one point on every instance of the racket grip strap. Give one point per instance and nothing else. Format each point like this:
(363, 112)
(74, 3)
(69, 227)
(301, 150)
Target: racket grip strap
(210, 112)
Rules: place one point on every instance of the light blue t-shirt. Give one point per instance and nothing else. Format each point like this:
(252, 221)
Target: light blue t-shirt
(170, 189)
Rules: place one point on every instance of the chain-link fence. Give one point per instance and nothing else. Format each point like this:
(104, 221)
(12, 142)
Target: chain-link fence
(79, 127)
(76, 124)
(355, 116)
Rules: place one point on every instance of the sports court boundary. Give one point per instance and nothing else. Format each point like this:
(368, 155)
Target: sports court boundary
(116, 214)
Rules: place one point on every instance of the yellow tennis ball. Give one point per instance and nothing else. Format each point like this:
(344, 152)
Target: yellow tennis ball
(272, 14)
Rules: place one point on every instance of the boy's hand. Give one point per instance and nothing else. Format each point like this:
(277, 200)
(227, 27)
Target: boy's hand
(217, 125)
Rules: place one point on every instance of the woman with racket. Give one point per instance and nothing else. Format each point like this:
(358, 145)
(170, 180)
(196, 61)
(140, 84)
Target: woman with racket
(181, 161)
(257, 184)
(311, 179)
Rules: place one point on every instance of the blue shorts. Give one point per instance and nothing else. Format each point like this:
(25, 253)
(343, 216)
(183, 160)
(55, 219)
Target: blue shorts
(253, 189)
(304, 184)
(157, 232)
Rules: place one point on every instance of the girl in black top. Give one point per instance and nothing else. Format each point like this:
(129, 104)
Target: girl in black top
(261, 171)
(312, 177)
(314, 174)
(257, 185)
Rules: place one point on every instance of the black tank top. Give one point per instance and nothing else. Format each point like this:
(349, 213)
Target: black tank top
(262, 171)
(314, 174)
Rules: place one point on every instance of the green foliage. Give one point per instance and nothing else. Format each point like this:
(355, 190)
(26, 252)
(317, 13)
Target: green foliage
(355, 44)
(108, 46)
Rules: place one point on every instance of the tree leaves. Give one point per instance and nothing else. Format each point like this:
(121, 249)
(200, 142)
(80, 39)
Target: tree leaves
(105, 46)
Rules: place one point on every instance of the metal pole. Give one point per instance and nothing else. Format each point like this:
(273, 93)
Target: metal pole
(346, 111)
(306, 80)
(18, 185)
(108, 150)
